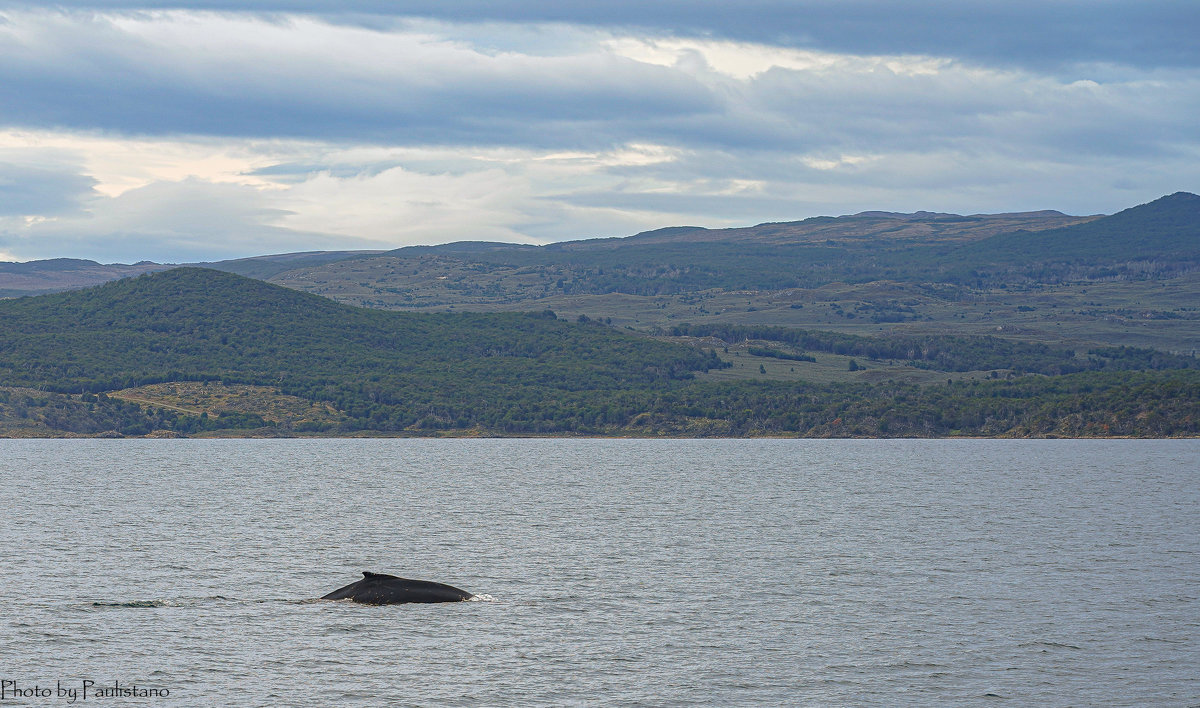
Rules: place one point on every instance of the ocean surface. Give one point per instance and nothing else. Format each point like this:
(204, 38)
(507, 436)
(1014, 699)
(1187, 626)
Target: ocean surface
(610, 572)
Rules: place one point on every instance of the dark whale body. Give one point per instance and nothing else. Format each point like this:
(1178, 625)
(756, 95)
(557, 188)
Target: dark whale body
(380, 589)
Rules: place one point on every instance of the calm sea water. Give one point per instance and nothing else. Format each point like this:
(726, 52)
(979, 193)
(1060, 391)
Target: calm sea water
(614, 572)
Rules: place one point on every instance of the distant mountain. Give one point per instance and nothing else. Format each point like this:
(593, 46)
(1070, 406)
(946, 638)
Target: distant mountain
(873, 226)
(1034, 275)
(57, 274)
(923, 247)
(1163, 234)
(870, 229)
(1045, 276)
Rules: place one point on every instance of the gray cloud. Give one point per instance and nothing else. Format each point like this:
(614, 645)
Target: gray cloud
(243, 77)
(1031, 33)
(327, 130)
(259, 79)
(168, 222)
(45, 191)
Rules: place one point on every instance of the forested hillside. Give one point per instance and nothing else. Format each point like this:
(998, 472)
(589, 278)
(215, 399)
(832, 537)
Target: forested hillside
(68, 362)
(387, 370)
(1162, 237)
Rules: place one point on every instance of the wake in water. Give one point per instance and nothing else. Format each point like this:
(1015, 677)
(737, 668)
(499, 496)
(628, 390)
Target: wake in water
(1047, 645)
(187, 602)
(215, 599)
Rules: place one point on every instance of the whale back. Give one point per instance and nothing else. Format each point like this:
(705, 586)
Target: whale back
(383, 589)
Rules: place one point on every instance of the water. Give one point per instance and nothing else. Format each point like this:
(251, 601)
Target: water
(614, 572)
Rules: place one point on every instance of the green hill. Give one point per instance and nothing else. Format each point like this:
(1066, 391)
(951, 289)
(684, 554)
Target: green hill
(1161, 236)
(386, 370)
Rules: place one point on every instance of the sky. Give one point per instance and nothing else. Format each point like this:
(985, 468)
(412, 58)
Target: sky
(193, 130)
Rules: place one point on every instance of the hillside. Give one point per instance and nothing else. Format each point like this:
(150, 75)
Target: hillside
(805, 254)
(200, 352)
(59, 274)
(671, 262)
(395, 370)
(1162, 237)
(263, 267)
(1130, 279)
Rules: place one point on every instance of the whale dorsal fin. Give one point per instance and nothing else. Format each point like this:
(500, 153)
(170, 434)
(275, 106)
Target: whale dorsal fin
(368, 575)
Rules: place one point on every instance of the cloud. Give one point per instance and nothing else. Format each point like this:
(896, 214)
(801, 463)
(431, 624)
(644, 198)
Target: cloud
(163, 221)
(357, 197)
(382, 197)
(397, 205)
(1050, 36)
(187, 73)
(38, 191)
(240, 76)
(193, 135)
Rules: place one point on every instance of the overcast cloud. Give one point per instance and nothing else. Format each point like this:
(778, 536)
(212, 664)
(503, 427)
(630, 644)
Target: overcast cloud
(194, 130)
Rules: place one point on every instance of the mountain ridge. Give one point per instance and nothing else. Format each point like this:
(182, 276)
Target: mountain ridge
(52, 275)
(1131, 278)
(33, 277)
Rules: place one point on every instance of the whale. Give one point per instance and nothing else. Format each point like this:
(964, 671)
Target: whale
(381, 589)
